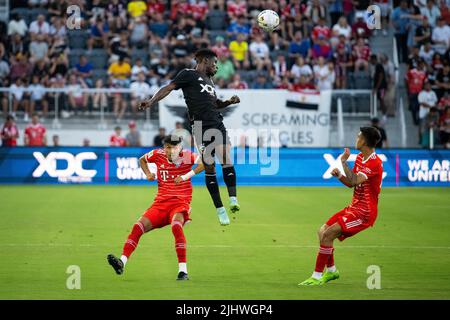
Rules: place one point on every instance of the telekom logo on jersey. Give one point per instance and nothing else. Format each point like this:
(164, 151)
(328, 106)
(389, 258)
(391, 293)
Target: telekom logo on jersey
(336, 163)
(74, 164)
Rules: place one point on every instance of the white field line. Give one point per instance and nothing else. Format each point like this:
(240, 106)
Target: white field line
(225, 246)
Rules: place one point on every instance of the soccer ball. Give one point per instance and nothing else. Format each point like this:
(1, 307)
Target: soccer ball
(268, 20)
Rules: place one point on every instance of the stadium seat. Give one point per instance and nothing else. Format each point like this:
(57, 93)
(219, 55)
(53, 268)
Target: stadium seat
(74, 56)
(100, 74)
(216, 20)
(98, 58)
(77, 39)
(361, 80)
(139, 53)
(23, 12)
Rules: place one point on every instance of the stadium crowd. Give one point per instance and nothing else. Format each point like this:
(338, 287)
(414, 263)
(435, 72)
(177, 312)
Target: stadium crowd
(141, 45)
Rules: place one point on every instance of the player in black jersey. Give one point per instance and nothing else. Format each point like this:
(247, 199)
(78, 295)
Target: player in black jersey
(208, 129)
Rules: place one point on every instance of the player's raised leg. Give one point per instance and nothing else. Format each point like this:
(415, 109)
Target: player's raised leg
(142, 226)
(213, 189)
(326, 237)
(229, 175)
(180, 245)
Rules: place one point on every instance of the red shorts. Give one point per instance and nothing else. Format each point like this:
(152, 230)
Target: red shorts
(161, 213)
(350, 221)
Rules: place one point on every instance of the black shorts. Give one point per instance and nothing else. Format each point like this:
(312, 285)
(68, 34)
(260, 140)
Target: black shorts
(208, 138)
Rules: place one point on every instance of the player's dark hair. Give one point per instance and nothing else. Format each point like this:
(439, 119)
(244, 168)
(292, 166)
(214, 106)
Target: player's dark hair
(173, 140)
(204, 53)
(371, 135)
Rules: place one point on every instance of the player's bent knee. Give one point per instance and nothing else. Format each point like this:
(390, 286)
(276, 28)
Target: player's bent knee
(146, 223)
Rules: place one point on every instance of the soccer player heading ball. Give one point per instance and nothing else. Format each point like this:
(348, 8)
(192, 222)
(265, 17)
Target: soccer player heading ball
(172, 202)
(365, 178)
(208, 129)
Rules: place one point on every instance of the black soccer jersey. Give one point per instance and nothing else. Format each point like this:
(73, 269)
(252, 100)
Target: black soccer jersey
(200, 97)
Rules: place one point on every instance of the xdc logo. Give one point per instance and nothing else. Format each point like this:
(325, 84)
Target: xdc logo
(208, 88)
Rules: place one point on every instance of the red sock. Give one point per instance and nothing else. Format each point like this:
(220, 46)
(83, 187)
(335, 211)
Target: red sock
(330, 262)
(133, 239)
(322, 257)
(180, 240)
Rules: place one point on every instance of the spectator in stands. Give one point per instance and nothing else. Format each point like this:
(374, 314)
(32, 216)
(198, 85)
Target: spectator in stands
(361, 53)
(225, 68)
(116, 140)
(239, 26)
(389, 96)
(279, 68)
(99, 99)
(159, 26)
(77, 99)
(427, 53)
(137, 68)
(321, 48)
(299, 47)
(138, 31)
(116, 15)
(259, 51)
(400, 22)
(38, 96)
(360, 28)
(59, 65)
(236, 9)
(95, 10)
(9, 133)
(17, 25)
(415, 78)
(423, 33)
(136, 8)
(431, 12)
(441, 36)
(315, 11)
(39, 26)
(140, 90)
(341, 28)
(237, 83)
(443, 80)
(336, 10)
(4, 73)
(344, 65)
(38, 49)
(379, 83)
(55, 139)
(86, 142)
(20, 97)
(239, 52)
(57, 29)
(324, 74)
(216, 18)
(300, 68)
(158, 140)
(98, 35)
(37, 3)
(444, 128)
(261, 82)
(35, 133)
(20, 68)
(133, 137)
(383, 143)
(119, 73)
(427, 99)
(156, 50)
(321, 30)
(155, 7)
(83, 69)
(430, 122)
(220, 48)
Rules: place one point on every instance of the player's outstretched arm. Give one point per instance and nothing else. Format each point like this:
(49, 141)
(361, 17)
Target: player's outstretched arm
(159, 95)
(223, 104)
(143, 162)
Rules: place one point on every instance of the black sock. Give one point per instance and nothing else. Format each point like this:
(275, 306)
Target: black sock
(213, 188)
(229, 176)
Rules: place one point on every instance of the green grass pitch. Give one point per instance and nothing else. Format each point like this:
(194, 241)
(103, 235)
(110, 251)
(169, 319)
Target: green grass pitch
(268, 249)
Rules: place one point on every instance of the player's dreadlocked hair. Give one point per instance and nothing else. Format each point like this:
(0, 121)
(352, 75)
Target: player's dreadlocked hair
(372, 136)
(204, 53)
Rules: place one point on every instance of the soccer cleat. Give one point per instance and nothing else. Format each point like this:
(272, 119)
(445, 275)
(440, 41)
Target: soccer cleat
(223, 216)
(311, 282)
(116, 263)
(328, 276)
(182, 276)
(234, 206)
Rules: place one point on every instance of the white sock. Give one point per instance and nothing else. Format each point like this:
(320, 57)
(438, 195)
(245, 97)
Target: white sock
(182, 267)
(233, 199)
(317, 275)
(124, 260)
(331, 269)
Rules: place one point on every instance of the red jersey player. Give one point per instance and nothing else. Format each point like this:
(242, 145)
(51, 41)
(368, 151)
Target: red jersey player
(365, 178)
(116, 140)
(172, 202)
(35, 133)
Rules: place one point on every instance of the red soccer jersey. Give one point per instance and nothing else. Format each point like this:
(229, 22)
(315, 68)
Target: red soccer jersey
(9, 135)
(321, 31)
(117, 141)
(237, 9)
(35, 134)
(365, 195)
(415, 79)
(168, 171)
